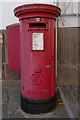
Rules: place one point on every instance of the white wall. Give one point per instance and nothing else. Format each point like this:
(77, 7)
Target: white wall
(69, 21)
(69, 14)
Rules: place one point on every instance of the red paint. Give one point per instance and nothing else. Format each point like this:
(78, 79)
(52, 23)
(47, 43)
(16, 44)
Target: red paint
(13, 45)
(38, 67)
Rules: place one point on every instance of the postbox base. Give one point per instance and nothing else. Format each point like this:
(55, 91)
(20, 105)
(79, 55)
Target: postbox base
(37, 106)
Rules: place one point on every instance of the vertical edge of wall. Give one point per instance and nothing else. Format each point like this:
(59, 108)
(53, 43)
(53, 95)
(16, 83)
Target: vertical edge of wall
(79, 52)
(4, 51)
(1, 41)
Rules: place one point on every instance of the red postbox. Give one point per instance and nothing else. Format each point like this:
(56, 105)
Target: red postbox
(38, 56)
(13, 45)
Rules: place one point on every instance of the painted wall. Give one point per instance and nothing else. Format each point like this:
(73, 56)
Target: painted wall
(69, 14)
(1, 55)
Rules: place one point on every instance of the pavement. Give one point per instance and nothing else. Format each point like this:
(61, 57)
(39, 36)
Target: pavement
(11, 103)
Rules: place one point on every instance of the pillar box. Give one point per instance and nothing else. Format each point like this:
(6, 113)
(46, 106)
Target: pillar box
(13, 45)
(38, 56)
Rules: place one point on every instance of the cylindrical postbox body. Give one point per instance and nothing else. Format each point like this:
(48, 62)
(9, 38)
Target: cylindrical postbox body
(13, 46)
(37, 32)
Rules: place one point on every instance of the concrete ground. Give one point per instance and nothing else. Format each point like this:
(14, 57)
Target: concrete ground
(11, 103)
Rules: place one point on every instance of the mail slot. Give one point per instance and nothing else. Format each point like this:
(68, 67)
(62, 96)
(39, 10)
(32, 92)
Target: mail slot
(37, 25)
(38, 56)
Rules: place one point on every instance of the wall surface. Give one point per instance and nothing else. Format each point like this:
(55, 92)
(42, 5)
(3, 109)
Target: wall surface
(1, 55)
(69, 66)
(69, 56)
(69, 14)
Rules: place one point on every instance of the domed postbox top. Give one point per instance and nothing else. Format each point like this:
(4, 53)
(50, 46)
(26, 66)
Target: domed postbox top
(12, 25)
(37, 10)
